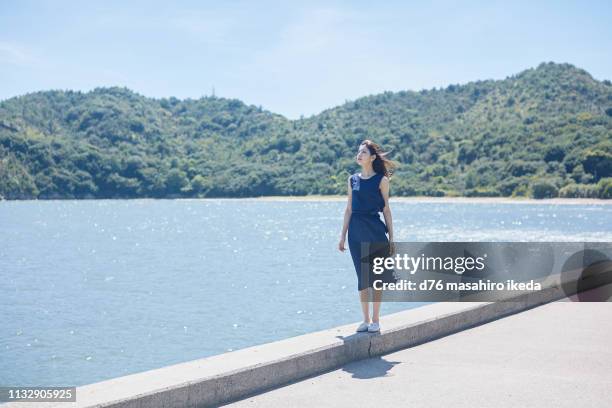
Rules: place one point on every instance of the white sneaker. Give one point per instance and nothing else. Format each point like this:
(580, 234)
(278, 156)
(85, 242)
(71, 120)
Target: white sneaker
(363, 327)
(373, 327)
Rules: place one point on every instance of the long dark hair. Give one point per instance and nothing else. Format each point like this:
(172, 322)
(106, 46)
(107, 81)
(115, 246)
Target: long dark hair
(381, 164)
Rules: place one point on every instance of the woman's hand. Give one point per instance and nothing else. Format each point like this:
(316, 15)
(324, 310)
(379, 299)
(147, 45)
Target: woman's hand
(391, 248)
(341, 246)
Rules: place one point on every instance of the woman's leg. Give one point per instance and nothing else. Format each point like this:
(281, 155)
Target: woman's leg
(383, 251)
(376, 308)
(365, 305)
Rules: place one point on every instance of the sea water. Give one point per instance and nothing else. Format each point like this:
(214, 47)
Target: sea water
(95, 289)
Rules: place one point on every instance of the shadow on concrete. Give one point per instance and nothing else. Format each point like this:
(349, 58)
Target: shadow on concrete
(370, 368)
(352, 336)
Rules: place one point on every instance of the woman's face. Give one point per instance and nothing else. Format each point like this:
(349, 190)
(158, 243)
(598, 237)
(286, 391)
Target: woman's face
(364, 155)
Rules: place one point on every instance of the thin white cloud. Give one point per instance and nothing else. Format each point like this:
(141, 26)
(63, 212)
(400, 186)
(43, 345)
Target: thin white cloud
(331, 54)
(15, 54)
(204, 26)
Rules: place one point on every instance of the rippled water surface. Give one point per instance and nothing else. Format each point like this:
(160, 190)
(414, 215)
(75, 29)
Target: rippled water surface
(91, 290)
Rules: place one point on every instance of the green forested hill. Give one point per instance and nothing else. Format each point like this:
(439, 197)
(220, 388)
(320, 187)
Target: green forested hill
(544, 132)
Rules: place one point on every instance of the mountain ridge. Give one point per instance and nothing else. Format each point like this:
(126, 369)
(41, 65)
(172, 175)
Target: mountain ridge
(545, 131)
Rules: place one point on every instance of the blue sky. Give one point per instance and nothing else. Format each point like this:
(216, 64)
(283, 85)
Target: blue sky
(289, 57)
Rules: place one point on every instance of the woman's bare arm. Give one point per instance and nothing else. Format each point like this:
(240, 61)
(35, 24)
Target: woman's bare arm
(384, 189)
(347, 217)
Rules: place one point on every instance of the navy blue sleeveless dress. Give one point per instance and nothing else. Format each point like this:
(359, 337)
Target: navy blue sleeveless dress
(366, 225)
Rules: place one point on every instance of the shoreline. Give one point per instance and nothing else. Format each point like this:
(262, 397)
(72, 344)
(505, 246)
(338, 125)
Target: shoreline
(425, 199)
(411, 199)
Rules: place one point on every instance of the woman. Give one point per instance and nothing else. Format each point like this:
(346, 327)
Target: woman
(368, 194)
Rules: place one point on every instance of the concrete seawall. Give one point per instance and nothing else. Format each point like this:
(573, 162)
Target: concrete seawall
(227, 377)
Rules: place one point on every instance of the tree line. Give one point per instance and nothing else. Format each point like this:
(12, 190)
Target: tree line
(545, 132)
